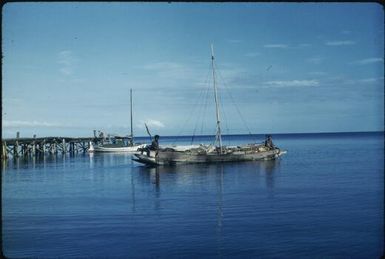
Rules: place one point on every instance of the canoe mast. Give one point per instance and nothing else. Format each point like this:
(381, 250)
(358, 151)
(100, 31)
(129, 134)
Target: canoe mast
(218, 136)
(132, 133)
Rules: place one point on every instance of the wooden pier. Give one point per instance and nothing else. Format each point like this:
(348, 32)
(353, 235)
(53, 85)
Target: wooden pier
(19, 147)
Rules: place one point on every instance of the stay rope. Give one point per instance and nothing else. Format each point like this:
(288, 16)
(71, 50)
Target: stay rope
(236, 106)
(194, 110)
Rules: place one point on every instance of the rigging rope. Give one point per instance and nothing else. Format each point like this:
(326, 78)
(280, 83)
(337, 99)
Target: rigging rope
(205, 95)
(205, 106)
(198, 109)
(195, 107)
(199, 115)
(236, 107)
(224, 115)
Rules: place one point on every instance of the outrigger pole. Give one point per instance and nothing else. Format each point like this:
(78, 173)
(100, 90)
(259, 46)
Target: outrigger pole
(218, 136)
(148, 131)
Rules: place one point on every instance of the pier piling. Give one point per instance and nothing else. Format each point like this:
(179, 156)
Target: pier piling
(16, 147)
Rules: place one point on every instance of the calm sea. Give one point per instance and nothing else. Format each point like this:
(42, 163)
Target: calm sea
(323, 199)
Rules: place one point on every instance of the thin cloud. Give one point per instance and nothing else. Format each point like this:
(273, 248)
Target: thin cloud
(277, 46)
(66, 71)
(176, 74)
(349, 81)
(315, 60)
(171, 70)
(162, 66)
(292, 83)
(367, 61)
(151, 124)
(19, 123)
(317, 73)
(67, 61)
(304, 45)
(368, 80)
(340, 43)
(371, 80)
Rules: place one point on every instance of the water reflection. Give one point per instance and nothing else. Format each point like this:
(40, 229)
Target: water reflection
(133, 193)
(192, 173)
(4, 164)
(208, 191)
(31, 162)
(109, 159)
(180, 175)
(219, 225)
(216, 179)
(268, 168)
(101, 170)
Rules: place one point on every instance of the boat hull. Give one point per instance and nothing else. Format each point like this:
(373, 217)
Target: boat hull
(130, 149)
(175, 157)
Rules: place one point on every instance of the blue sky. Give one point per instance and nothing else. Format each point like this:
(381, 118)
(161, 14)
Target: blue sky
(282, 67)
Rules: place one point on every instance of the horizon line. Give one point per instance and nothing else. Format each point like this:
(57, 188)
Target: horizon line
(254, 134)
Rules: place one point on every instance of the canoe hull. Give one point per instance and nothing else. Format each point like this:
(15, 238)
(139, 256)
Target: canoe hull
(175, 157)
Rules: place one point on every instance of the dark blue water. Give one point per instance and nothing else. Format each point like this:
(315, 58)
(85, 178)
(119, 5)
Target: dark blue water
(324, 198)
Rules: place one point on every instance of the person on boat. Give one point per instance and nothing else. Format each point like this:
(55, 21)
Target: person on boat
(154, 146)
(269, 142)
(155, 143)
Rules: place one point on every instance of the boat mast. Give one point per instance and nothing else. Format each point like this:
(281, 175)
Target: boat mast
(218, 136)
(132, 134)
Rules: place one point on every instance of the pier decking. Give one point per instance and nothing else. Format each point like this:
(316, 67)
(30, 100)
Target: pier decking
(18, 147)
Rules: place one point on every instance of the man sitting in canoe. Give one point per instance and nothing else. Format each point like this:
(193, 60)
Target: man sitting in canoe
(269, 142)
(154, 146)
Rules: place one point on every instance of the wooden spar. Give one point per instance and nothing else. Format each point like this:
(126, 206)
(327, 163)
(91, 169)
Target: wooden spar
(4, 150)
(132, 132)
(72, 150)
(43, 146)
(218, 134)
(16, 147)
(34, 145)
(64, 146)
(148, 131)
